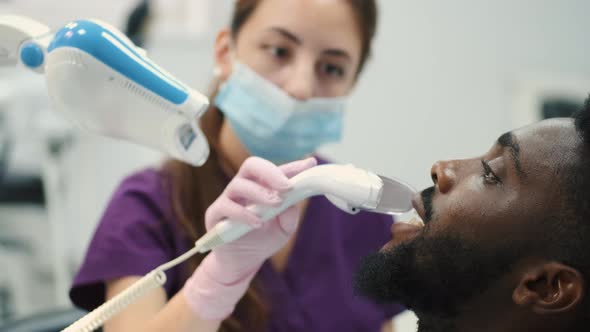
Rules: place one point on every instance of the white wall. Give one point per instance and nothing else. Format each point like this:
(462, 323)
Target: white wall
(443, 73)
(57, 13)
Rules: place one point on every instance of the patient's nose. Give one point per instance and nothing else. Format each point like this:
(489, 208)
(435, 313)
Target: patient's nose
(443, 176)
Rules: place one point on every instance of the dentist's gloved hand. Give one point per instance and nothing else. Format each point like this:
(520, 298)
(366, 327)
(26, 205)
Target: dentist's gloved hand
(225, 274)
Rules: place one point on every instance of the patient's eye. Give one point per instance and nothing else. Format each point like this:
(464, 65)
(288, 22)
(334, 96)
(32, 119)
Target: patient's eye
(488, 174)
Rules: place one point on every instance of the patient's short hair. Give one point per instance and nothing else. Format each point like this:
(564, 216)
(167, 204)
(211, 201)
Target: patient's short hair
(568, 237)
(577, 196)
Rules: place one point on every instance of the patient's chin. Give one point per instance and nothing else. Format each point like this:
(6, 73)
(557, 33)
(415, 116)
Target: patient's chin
(386, 276)
(433, 273)
(373, 279)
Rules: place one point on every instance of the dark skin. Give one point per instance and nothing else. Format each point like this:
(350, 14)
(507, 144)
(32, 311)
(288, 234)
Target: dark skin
(500, 197)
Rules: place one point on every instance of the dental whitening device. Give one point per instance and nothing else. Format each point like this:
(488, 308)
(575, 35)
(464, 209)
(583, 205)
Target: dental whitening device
(99, 79)
(349, 188)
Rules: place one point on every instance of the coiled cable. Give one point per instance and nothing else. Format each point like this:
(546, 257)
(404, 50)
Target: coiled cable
(156, 278)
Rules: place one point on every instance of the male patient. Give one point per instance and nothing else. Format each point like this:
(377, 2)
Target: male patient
(506, 241)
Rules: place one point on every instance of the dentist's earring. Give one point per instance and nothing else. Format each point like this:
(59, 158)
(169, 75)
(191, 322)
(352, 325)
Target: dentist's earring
(217, 71)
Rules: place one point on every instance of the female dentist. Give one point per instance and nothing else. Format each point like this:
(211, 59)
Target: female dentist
(284, 68)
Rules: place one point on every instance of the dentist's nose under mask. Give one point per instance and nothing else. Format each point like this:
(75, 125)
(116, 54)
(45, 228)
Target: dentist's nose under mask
(273, 125)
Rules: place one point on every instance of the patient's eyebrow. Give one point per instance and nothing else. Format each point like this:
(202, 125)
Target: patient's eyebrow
(508, 140)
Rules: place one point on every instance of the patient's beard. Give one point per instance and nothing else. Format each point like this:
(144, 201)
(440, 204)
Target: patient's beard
(433, 275)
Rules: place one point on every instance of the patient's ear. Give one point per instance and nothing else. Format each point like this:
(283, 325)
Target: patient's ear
(550, 288)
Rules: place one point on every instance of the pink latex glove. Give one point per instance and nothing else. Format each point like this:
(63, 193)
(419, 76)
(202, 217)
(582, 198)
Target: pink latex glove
(225, 274)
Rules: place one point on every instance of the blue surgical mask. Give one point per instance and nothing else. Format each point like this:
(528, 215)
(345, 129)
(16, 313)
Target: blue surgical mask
(273, 125)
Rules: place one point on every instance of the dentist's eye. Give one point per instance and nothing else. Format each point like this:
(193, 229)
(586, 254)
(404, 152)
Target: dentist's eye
(488, 174)
(277, 51)
(331, 70)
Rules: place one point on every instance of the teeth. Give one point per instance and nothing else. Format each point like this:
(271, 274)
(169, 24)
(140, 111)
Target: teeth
(414, 219)
(416, 222)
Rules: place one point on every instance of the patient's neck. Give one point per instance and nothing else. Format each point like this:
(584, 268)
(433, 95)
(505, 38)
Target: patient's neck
(507, 319)
(430, 323)
(489, 311)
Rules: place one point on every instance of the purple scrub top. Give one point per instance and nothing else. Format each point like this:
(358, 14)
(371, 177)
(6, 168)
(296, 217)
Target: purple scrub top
(314, 293)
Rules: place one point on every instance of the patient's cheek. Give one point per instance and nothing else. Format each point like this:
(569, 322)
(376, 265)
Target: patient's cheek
(457, 212)
(458, 205)
(475, 186)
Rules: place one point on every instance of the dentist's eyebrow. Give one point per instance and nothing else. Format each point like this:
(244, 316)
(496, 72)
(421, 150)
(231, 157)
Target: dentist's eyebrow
(509, 141)
(338, 52)
(287, 34)
(292, 37)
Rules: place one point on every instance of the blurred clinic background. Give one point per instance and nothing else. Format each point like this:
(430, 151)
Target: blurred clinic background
(446, 78)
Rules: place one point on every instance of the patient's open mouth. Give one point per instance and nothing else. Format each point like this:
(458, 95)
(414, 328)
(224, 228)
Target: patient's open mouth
(408, 227)
(403, 231)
